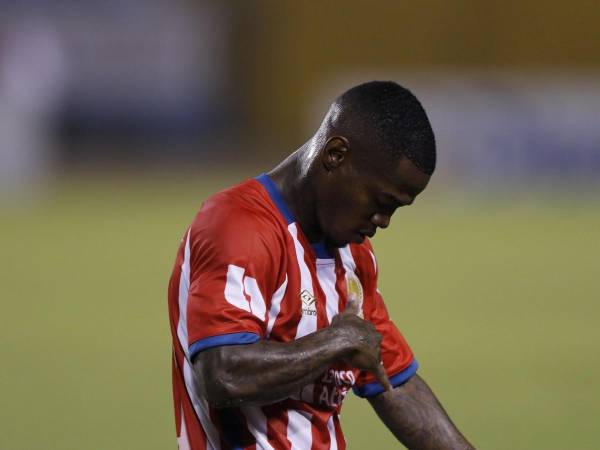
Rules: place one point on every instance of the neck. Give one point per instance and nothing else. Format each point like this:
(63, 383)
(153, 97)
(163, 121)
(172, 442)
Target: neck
(292, 178)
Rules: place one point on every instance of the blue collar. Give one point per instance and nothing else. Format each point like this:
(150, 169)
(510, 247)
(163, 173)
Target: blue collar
(319, 248)
(275, 195)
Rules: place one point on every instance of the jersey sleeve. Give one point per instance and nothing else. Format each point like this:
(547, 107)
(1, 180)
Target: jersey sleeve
(233, 274)
(396, 355)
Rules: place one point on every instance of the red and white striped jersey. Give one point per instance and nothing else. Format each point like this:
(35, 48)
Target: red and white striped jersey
(244, 272)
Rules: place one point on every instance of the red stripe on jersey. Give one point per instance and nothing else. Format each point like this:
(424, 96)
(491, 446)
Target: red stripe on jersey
(195, 433)
(340, 285)
(341, 442)
(177, 406)
(277, 423)
(320, 433)
(286, 323)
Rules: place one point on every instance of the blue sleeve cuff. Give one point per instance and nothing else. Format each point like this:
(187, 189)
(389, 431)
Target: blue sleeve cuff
(222, 339)
(374, 388)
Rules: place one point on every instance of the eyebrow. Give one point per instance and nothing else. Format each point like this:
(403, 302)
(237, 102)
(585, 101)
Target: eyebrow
(391, 197)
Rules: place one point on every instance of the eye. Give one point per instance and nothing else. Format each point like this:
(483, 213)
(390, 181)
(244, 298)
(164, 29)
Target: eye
(386, 207)
(391, 210)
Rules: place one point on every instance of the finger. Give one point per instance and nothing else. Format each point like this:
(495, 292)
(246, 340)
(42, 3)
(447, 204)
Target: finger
(382, 377)
(352, 305)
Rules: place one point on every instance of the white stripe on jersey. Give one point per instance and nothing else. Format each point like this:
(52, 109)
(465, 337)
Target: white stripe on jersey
(299, 430)
(308, 323)
(183, 442)
(257, 425)
(375, 267)
(238, 287)
(332, 435)
(347, 259)
(257, 302)
(276, 305)
(234, 288)
(200, 405)
(184, 287)
(374, 262)
(327, 278)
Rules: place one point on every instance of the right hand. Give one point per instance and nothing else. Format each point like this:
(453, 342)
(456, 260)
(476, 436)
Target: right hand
(363, 341)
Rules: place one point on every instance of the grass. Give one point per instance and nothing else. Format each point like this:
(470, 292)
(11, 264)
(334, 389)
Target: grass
(499, 300)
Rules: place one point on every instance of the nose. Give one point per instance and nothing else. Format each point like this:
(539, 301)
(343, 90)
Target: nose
(380, 220)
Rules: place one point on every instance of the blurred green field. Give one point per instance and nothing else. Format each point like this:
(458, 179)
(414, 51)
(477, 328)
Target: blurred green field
(499, 300)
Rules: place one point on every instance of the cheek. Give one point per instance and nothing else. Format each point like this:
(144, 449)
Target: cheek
(358, 208)
(345, 217)
(334, 220)
(346, 210)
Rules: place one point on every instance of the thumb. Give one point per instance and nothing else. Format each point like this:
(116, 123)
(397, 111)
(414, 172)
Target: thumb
(352, 305)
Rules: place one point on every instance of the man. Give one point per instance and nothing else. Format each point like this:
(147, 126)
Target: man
(273, 301)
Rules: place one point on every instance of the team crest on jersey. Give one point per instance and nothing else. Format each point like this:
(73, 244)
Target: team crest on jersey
(309, 303)
(355, 290)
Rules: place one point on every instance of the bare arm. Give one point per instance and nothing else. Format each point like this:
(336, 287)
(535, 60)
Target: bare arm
(267, 371)
(417, 419)
(264, 371)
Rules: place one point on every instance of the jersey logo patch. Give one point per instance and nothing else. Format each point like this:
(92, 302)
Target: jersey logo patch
(355, 291)
(309, 303)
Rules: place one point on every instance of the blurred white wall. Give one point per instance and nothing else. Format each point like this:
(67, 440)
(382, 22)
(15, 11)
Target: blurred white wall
(33, 73)
(151, 71)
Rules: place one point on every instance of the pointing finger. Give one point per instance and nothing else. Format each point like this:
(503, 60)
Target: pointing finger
(382, 377)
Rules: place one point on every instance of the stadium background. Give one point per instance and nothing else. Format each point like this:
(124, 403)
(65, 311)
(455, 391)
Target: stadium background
(118, 118)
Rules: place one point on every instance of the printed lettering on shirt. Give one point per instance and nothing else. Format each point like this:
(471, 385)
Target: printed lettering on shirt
(333, 386)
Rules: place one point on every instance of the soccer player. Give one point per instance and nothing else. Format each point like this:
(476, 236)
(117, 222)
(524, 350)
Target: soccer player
(273, 301)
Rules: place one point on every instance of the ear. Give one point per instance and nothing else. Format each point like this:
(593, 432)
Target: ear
(335, 152)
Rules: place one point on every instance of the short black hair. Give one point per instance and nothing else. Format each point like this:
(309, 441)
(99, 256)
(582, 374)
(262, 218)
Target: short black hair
(394, 117)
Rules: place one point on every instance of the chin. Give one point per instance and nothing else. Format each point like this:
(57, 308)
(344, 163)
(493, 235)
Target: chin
(359, 239)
